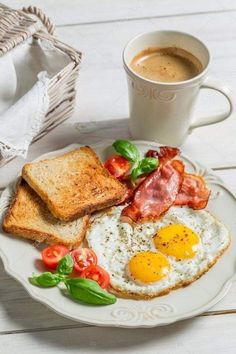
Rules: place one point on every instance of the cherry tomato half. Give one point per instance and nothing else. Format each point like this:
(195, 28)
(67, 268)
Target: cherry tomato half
(52, 255)
(117, 165)
(98, 274)
(83, 258)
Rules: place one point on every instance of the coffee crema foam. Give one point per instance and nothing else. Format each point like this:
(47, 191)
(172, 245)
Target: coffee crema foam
(169, 64)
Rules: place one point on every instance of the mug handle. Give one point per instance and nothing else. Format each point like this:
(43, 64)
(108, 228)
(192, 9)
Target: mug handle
(211, 83)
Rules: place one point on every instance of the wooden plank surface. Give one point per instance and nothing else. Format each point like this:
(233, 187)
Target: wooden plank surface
(100, 30)
(205, 335)
(102, 73)
(91, 11)
(102, 92)
(216, 155)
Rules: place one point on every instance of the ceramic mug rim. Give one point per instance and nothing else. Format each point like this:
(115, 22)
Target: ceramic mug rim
(170, 84)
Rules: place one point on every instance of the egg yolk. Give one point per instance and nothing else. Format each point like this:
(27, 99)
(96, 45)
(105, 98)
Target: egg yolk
(177, 240)
(148, 267)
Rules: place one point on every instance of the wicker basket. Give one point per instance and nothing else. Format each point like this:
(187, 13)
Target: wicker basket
(15, 27)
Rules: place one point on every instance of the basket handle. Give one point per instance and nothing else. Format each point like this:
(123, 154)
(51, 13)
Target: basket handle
(33, 10)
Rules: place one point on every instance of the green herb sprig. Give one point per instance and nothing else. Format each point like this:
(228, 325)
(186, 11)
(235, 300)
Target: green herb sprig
(80, 289)
(140, 166)
(46, 279)
(88, 291)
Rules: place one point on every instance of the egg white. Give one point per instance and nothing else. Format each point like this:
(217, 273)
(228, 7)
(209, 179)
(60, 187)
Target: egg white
(115, 242)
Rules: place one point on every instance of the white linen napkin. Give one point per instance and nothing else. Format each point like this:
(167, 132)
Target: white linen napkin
(23, 120)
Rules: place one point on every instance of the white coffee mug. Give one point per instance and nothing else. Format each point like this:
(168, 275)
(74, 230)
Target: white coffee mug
(162, 111)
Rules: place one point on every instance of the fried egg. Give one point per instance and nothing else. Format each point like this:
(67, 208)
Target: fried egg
(150, 259)
(178, 241)
(147, 267)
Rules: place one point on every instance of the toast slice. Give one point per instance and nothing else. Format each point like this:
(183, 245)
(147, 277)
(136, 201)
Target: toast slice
(29, 217)
(74, 184)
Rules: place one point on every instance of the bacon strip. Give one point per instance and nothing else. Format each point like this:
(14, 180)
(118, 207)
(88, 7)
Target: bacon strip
(165, 153)
(130, 188)
(193, 192)
(156, 193)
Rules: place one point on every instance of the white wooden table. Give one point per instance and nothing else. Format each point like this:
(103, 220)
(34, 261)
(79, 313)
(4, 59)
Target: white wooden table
(100, 29)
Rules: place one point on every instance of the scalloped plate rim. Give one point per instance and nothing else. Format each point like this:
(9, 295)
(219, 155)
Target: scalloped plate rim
(113, 322)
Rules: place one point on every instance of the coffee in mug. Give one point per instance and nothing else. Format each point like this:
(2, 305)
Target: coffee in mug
(165, 72)
(170, 64)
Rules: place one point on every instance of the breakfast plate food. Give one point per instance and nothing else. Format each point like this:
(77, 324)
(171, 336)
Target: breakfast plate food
(128, 234)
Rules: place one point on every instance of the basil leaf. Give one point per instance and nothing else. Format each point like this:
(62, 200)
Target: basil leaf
(45, 280)
(146, 165)
(88, 291)
(65, 265)
(135, 173)
(127, 150)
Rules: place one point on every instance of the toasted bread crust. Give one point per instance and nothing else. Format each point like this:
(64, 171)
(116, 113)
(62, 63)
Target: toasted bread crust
(11, 225)
(129, 295)
(48, 238)
(97, 178)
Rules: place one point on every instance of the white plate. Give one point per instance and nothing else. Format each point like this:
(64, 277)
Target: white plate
(19, 258)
